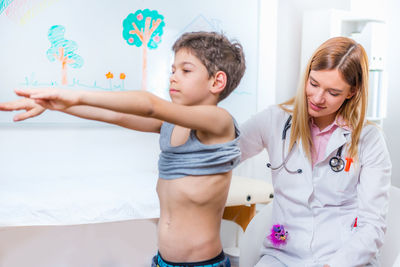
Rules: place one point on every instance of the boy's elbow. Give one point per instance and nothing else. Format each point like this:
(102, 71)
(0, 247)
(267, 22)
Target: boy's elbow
(147, 106)
(150, 111)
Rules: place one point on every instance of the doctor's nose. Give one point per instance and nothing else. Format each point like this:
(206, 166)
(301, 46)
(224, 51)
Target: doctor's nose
(319, 97)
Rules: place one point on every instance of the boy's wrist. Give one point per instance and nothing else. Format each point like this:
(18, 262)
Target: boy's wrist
(81, 96)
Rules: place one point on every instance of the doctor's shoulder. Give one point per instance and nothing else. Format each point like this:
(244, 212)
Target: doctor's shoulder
(278, 113)
(268, 117)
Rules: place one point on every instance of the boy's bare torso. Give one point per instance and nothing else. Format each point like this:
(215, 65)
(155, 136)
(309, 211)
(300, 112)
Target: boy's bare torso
(190, 216)
(191, 209)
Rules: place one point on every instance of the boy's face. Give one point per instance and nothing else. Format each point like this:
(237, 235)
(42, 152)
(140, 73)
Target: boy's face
(189, 81)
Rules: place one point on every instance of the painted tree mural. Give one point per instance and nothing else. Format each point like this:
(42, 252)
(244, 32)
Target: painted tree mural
(143, 28)
(63, 50)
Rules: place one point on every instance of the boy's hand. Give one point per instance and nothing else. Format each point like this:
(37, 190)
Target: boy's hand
(32, 109)
(55, 99)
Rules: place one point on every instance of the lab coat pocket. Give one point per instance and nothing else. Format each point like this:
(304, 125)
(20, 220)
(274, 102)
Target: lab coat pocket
(346, 185)
(337, 188)
(347, 228)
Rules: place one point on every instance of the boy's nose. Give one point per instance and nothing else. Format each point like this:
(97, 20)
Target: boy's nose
(172, 78)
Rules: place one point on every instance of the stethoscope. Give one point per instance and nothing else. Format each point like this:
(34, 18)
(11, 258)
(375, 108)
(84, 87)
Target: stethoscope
(336, 162)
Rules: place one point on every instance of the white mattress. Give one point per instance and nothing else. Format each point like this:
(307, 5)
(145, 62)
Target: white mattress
(58, 176)
(77, 200)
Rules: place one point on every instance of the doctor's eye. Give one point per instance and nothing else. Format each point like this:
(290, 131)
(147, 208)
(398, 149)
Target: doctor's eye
(313, 84)
(332, 93)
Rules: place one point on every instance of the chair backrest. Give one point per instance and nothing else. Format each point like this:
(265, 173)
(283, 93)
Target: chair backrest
(391, 248)
(252, 239)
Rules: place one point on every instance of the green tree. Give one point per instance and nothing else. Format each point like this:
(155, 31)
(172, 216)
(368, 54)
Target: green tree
(63, 50)
(143, 28)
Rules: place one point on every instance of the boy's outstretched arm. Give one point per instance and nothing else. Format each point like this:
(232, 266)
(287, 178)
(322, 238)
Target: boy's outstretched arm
(205, 118)
(32, 109)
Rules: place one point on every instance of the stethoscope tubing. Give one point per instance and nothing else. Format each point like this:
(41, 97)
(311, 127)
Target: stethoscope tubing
(336, 163)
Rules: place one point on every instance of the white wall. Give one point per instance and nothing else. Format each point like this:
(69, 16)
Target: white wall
(34, 151)
(290, 15)
(391, 123)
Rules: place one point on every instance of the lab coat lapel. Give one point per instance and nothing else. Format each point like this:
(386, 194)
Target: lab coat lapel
(307, 175)
(338, 138)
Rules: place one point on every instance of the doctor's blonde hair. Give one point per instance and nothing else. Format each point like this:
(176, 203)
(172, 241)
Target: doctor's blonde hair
(350, 59)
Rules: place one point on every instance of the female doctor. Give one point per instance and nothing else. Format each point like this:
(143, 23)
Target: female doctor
(330, 168)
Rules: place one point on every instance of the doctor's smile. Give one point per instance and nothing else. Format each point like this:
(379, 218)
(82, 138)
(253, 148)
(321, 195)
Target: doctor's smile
(314, 107)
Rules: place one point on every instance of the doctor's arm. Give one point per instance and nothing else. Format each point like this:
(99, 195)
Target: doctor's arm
(255, 133)
(373, 201)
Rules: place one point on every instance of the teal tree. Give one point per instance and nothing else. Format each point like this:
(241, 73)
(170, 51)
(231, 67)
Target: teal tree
(143, 28)
(63, 50)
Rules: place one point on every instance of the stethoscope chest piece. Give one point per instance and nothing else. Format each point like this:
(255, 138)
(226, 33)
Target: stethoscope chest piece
(337, 164)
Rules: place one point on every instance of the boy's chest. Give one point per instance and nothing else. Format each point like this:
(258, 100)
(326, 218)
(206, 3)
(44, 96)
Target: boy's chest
(179, 135)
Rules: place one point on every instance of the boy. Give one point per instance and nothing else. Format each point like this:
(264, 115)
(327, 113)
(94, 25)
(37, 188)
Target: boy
(198, 140)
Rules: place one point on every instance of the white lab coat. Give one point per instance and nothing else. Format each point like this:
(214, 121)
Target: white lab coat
(318, 207)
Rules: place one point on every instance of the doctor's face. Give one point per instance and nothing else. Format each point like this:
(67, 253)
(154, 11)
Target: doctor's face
(326, 91)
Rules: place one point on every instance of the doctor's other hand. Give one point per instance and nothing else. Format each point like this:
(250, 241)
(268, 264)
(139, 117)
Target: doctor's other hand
(31, 108)
(326, 265)
(51, 98)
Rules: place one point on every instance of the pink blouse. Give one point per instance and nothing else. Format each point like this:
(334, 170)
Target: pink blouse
(320, 138)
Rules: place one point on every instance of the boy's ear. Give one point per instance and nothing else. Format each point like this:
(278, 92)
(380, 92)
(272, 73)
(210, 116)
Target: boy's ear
(219, 84)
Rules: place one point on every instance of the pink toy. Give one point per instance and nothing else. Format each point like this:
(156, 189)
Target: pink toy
(278, 236)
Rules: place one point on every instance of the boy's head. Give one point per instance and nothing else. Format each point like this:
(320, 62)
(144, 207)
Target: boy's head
(216, 53)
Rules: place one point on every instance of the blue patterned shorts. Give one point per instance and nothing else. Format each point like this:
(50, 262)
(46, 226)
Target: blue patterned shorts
(220, 261)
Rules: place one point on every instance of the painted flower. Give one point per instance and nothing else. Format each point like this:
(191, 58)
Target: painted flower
(109, 75)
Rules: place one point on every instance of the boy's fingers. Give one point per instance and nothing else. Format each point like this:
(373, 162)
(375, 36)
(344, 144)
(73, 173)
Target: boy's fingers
(14, 105)
(29, 114)
(46, 95)
(43, 103)
(31, 92)
(6, 107)
(25, 93)
(42, 96)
